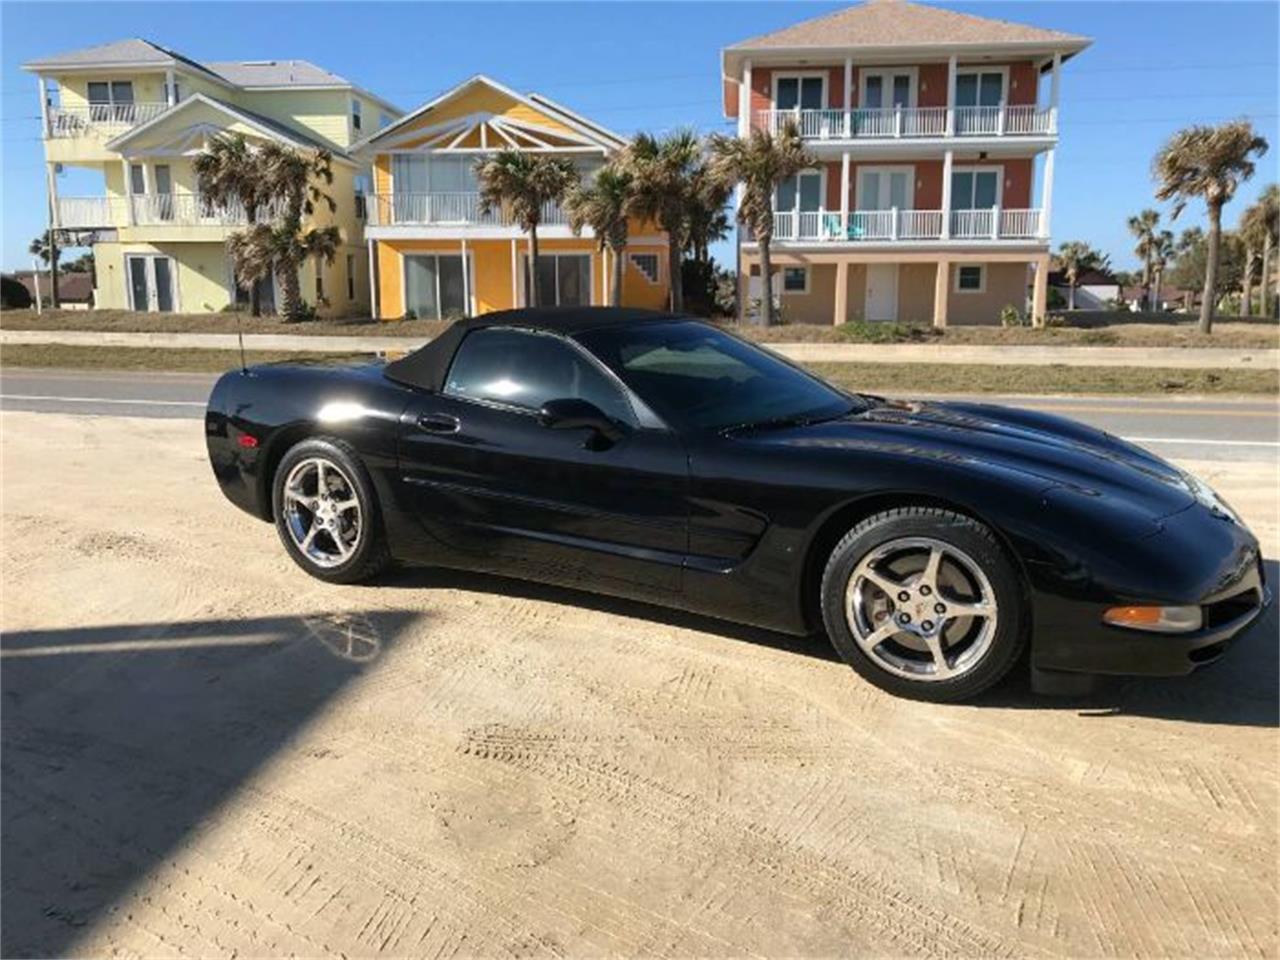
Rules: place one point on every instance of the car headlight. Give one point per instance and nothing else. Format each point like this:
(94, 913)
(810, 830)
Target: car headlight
(1156, 619)
(1206, 496)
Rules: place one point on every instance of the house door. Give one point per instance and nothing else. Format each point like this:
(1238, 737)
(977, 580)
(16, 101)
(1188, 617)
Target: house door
(884, 90)
(978, 96)
(882, 291)
(151, 283)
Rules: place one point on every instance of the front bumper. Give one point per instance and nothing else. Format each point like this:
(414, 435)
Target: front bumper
(1218, 567)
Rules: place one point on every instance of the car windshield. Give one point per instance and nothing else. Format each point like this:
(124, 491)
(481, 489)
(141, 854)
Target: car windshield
(698, 377)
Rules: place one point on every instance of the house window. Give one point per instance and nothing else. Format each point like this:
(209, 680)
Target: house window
(795, 279)
(355, 115)
(111, 101)
(801, 192)
(434, 287)
(351, 276)
(646, 263)
(319, 282)
(384, 120)
(805, 92)
(971, 278)
(564, 280)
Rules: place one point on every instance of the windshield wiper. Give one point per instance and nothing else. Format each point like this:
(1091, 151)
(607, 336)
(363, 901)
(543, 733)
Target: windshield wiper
(791, 420)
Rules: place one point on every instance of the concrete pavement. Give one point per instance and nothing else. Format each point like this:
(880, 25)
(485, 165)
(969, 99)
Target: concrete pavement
(1205, 428)
(1183, 357)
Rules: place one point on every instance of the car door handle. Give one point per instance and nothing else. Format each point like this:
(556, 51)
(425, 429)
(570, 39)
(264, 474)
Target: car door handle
(439, 423)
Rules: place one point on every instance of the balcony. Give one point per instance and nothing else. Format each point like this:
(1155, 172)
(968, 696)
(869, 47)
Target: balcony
(913, 123)
(444, 209)
(157, 209)
(906, 226)
(100, 119)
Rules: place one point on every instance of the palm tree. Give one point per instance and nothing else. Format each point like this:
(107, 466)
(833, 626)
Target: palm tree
(759, 162)
(707, 217)
(1163, 249)
(1267, 214)
(1074, 258)
(1210, 163)
(299, 180)
(45, 247)
(519, 184)
(228, 171)
(602, 205)
(1143, 227)
(1254, 234)
(662, 190)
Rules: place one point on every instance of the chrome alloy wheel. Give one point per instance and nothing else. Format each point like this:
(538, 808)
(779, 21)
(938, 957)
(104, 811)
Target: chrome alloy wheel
(322, 512)
(921, 609)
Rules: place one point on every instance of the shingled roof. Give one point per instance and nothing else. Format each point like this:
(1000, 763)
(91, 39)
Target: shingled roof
(897, 23)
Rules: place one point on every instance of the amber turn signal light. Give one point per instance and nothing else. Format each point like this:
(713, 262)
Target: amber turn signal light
(1156, 619)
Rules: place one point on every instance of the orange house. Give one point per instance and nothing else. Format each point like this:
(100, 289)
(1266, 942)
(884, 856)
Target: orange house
(433, 253)
(927, 127)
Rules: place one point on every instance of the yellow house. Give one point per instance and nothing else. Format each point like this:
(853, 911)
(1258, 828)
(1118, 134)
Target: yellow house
(137, 114)
(425, 220)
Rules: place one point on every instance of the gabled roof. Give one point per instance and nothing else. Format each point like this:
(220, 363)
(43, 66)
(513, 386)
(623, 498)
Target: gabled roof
(242, 74)
(884, 25)
(590, 132)
(277, 73)
(134, 52)
(266, 125)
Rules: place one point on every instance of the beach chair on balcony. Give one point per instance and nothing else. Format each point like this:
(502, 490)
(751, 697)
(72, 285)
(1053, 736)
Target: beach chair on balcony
(831, 229)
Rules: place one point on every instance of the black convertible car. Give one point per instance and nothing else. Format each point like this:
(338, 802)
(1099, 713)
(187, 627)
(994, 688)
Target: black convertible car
(663, 459)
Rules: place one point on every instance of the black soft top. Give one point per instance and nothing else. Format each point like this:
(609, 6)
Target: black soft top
(426, 367)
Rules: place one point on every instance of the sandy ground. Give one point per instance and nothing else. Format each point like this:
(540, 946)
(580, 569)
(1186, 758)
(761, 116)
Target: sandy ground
(208, 753)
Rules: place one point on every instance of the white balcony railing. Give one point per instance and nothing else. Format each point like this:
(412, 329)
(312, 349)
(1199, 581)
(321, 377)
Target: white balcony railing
(162, 209)
(443, 209)
(100, 118)
(904, 226)
(913, 122)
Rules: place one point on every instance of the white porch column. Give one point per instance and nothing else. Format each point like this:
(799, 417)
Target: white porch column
(951, 95)
(1054, 85)
(44, 107)
(51, 180)
(744, 100)
(466, 281)
(128, 191)
(842, 293)
(844, 195)
(604, 277)
(947, 159)
(168, 87)
(515, 273)
(373, 279)
(941, 291)
(848, 98)
(1046, 193)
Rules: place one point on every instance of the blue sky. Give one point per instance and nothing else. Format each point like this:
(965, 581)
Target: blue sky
(1154, 67)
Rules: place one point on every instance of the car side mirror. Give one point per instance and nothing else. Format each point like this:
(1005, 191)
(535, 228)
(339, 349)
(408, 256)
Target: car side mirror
(573, 413)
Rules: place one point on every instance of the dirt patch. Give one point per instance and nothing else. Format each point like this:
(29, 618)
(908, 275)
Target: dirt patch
(206, 752)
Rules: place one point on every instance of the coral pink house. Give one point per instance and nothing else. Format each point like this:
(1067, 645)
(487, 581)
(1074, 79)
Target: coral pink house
(927, 127)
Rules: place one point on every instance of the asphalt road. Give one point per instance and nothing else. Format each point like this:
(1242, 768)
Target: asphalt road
(1206, 429)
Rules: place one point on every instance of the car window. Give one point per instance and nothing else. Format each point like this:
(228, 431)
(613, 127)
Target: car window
(702, 378)
(524, 369)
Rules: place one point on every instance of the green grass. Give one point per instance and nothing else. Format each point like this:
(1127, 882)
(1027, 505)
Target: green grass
(894, 378)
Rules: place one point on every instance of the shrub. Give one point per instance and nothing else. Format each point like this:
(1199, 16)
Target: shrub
(1010, 316)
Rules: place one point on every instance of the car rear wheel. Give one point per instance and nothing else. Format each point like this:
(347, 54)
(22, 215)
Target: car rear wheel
(924, 603)
(326, 512)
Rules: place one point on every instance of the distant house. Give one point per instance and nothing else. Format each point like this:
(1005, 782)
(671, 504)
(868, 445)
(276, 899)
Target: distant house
(75, 290)
(1095, 289)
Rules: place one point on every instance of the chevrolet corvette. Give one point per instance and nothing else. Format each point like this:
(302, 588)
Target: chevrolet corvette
(660, 458)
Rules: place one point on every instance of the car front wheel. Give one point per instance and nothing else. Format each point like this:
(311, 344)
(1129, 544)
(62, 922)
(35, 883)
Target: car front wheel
(326, 512)
(924, 603)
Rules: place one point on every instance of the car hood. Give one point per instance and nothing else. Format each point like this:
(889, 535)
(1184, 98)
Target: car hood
(1059, 451)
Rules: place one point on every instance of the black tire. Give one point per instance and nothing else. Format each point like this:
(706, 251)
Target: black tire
(961, 533)
(370, 554)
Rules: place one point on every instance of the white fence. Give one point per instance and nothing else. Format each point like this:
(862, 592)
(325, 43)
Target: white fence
(100, 118)
(443, 209)
(898, 122)
(155, 209)
(904, 226)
